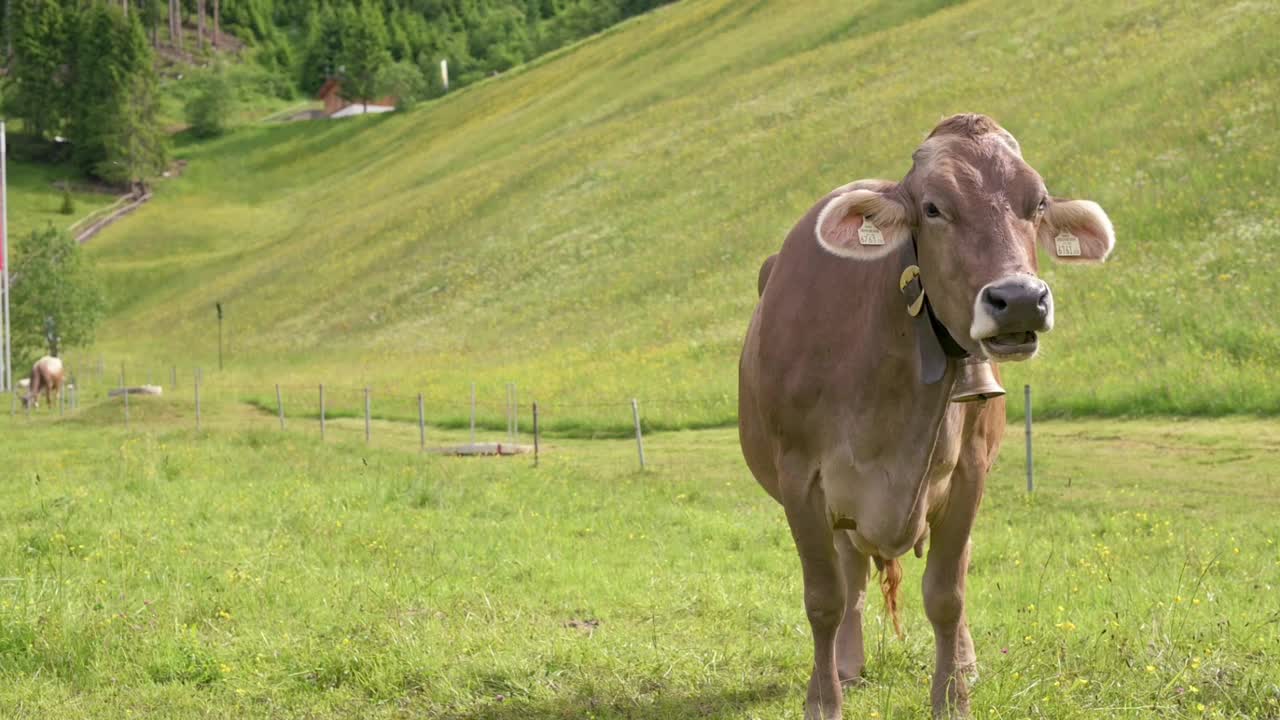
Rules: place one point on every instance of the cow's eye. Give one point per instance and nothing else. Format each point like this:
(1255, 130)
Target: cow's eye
(931, 210)
(1044, 205)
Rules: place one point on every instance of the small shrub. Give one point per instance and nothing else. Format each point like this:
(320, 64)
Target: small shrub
(209, 109)
(68, 202)
(405, 82)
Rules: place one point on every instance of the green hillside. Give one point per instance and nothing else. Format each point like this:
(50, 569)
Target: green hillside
(591, 226)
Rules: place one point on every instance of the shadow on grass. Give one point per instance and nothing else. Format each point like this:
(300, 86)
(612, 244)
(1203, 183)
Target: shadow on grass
(714, 703)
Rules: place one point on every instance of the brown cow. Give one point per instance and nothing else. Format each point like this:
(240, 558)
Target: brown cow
(846, 411)
(46, 375)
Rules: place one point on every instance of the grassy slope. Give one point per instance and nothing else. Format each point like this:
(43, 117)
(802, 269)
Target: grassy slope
(591, 226)
(35, 198)
(249, 573)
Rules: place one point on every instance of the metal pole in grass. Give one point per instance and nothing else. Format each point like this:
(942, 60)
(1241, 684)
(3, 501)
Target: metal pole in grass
(635, 413)
(322, 412)
(422, 426)
(535, 434)
(473, 413)
(366, 415)
(511, 411)
(280, 405)
(515, 412)
(1027, 411)
(62, 404)
(173, 376)
(124, 391)
(218, 305)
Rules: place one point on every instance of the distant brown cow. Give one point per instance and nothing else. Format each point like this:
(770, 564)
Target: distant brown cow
(46, 375)
(879, 297)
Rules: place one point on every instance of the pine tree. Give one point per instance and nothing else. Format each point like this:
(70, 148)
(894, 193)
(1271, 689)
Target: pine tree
(39, 75)
(324, 50)
(114, 123)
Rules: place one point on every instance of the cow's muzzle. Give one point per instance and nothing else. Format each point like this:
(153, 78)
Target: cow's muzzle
(1008, 315)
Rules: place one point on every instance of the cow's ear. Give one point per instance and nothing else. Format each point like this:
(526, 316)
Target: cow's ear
(864, 223)
(1077, 231)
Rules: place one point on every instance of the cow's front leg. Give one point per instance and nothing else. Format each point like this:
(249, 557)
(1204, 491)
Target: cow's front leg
(824, 589)
(968, 658)
(944, 587)
(850, 657)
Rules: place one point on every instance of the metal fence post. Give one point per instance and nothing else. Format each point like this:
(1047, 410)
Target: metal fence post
(280, 405)
(1027, 405)
(509, 410)
(322, 412)
(473, 413)
(535, 434)
(366, 415)
(635, 413)
(422, 426)
(515, 412)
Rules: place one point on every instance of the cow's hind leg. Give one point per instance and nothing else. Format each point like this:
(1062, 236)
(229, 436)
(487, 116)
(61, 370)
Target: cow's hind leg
(824, 585)
(850, 658)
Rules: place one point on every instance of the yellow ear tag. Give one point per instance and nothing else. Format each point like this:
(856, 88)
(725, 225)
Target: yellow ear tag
(869, 234)
(908, 275)
(1066, 245)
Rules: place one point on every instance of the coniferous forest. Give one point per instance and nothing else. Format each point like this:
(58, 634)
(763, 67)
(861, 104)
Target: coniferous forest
(85, 79)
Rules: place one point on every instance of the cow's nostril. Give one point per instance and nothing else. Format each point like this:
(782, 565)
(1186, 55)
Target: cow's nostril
(996, 300)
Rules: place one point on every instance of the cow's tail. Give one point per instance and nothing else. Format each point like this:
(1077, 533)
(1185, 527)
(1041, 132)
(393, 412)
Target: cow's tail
(891, 587)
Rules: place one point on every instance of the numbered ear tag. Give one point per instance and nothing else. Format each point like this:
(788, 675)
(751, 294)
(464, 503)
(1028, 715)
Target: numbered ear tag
(1066, 245)
(869, 234)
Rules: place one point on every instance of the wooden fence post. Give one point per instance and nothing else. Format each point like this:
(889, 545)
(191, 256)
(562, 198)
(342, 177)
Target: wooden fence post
(322, 412)
(1027, 400)
(535, 434)
(366, 416)
(422, 426)
(635, 413)
(280, 405)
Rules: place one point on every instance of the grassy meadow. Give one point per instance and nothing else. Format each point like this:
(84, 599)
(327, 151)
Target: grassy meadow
(591, 226)
(246, 572)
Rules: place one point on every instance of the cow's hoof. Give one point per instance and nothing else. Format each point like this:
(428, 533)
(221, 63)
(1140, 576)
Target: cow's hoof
(852, 680)
(814, 712)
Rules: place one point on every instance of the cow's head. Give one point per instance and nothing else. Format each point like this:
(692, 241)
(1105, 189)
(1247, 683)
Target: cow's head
(976, 210)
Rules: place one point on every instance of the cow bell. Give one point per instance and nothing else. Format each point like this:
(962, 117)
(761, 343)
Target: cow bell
(975, 381)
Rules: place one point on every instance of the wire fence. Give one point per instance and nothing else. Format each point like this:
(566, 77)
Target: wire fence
(475, 420)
